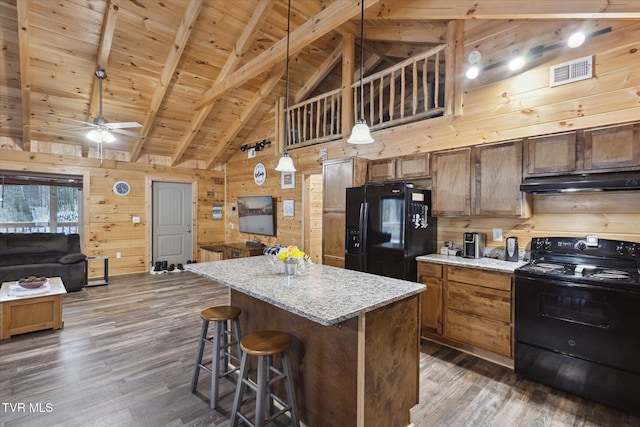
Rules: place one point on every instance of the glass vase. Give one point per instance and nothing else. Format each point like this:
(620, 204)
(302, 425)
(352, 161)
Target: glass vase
(291, 267)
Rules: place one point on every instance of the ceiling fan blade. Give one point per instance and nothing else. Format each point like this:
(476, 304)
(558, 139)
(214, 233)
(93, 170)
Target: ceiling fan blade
(80, 128)
(71, 120)
(120, 125)
(125, 132)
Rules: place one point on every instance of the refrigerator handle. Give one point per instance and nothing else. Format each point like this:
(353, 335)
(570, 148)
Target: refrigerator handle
(364, 229)
(361, 229)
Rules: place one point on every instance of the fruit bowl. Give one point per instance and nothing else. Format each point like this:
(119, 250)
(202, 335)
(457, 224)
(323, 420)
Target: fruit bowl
(32, 282)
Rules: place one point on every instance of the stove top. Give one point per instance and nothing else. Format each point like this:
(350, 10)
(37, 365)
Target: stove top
(593, 261)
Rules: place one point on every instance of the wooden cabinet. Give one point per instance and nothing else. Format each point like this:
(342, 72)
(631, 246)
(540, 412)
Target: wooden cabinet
(468, 309)
(495, 188)
(612, 148)
(606, 149)
(381, 170)
(498, 175)
(228, 251)
(451, 190)
(550, 154)
(431, 299)
(478, 309)
(337, 176)
(399, 168)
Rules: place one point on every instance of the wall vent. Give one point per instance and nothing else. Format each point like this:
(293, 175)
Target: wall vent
(572, 71)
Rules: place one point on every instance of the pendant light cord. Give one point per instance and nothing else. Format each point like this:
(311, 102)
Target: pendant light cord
(286, 91)
(361, 61)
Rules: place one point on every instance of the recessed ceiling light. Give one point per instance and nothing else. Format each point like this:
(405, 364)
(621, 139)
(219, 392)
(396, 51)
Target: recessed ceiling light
(517, 61)
(472, 72)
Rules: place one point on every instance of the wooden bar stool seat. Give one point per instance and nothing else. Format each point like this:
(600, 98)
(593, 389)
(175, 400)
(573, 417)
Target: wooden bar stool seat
(226, 333)
(264, 345)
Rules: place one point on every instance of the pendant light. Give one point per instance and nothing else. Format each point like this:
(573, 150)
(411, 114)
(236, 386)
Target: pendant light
(286, 163)
(360, 133)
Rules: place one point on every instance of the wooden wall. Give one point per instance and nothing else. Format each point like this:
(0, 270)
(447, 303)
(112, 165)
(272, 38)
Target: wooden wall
(502, 107)
(108, 226)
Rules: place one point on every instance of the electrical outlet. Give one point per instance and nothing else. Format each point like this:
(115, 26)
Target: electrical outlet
(251, 153)
(118, 255)
(497, 234)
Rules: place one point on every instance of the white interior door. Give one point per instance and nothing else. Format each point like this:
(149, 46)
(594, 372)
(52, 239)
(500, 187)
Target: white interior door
(172, 222)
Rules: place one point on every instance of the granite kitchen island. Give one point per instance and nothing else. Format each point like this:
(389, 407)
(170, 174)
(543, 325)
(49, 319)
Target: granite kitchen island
(355, 336)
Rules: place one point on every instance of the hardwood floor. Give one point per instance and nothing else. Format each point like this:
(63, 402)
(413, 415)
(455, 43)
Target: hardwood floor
(125, 358)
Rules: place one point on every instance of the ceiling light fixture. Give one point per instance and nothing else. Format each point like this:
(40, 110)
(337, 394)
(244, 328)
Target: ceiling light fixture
(100, 136)
(517, 61)
(285, 164)
(576, 39)
(474, 70)
(360, 133)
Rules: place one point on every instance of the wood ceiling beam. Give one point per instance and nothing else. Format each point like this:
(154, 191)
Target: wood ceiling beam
(170, 65)
(244, 42)
(318, 75)
(221, 152)
(25, 81)
(491, 9)
(104, 49)
(408, 32)
(327, 20)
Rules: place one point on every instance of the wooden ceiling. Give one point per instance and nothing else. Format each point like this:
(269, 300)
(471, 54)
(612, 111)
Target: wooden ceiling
(202, 75)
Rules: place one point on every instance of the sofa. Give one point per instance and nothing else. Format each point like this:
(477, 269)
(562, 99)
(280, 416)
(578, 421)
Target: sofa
(43, 254)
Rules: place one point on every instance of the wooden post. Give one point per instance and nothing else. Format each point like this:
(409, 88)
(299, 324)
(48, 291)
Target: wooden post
(348, 49)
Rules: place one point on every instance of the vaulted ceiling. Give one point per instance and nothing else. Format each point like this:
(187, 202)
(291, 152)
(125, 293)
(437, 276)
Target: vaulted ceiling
(201, 75)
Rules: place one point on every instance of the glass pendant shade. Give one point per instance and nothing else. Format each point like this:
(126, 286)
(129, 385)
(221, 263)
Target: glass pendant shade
(360, 134)
(285, 164)
(100, 135)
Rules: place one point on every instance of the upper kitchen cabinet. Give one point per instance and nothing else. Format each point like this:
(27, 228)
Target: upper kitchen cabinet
(498, 175)
(451, 189)
(337, 176)
(399, 169)
(612, 148)
(495, 189)
(550, 154)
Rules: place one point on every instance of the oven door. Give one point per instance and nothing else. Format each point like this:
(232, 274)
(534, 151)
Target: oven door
(593, 323)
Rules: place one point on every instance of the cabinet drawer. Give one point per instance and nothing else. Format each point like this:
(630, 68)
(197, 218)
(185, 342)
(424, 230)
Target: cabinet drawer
(428, 269)
(483, 333)
(484, 302)
(488, 279)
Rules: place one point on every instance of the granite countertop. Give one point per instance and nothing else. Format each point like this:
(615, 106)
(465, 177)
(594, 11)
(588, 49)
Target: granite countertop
(326, 295)
(480, 263)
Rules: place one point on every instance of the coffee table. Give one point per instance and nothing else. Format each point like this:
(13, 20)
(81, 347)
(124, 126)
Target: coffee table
(24, 310)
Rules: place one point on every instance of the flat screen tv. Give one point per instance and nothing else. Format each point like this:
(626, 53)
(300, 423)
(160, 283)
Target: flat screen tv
(256, 215)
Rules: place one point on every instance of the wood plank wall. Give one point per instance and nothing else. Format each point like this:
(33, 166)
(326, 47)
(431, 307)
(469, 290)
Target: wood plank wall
(108, 226)
(497, 108)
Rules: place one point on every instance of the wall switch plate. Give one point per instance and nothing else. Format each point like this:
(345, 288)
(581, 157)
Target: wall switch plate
(136, 220)
(251, 153)
(118, 255)
(497, 234)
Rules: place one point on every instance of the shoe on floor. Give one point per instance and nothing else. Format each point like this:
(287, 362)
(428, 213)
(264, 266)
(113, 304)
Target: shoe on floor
(165, 266)
(173, 269)
(180, 268)
(157, 269)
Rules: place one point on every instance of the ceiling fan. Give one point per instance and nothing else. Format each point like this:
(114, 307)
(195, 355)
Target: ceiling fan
(101, 130)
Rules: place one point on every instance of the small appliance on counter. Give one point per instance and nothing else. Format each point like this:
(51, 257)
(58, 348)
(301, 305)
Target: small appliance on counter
(511, 252)
(473, 244)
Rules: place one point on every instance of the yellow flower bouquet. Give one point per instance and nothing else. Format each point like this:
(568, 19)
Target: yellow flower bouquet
(291, 253)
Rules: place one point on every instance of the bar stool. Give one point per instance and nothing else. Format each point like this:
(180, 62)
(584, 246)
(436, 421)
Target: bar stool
(265, 345)
(222, 339)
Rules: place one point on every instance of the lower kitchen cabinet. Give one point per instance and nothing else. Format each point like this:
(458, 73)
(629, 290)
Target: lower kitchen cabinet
(469, 309)
(431, 299)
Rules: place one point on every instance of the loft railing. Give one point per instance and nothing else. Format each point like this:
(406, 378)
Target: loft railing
(316, 120)
(409, 91)
(32, 227)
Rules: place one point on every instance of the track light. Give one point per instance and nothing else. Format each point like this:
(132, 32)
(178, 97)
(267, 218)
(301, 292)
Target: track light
(258, 146)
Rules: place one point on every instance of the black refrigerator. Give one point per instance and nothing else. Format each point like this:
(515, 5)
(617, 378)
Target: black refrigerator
(387, 226)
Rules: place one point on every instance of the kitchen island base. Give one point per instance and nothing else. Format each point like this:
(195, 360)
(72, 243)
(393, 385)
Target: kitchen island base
(360, 372)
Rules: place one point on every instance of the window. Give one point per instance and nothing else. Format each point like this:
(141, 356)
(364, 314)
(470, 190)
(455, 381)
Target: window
(33, 203)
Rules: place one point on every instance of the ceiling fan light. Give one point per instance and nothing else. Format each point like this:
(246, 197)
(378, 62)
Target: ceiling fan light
(285, 164)
(360, 134)
(100, 135)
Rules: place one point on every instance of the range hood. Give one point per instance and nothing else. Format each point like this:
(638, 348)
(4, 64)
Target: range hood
(607, 181)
